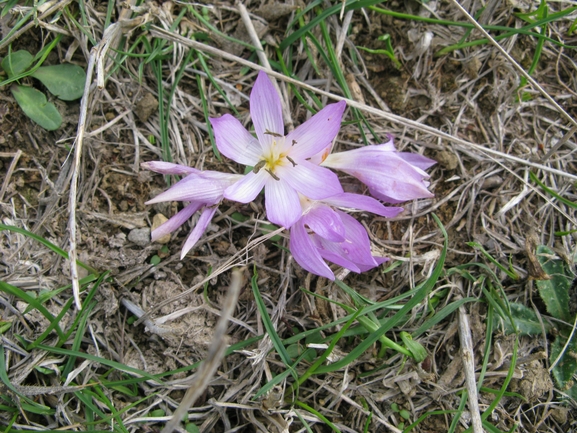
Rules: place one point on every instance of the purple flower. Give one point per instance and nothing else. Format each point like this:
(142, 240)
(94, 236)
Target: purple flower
(280, 162)
(391, 176)
(324, 233)
(202, 189)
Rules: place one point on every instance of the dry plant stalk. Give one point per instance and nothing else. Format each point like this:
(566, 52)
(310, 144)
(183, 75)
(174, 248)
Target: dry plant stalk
(214, 357)
(469, 367)
(161, 33)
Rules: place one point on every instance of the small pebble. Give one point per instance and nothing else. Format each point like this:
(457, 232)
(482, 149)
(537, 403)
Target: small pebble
(492, 182)
(140, 237)
(157, 221)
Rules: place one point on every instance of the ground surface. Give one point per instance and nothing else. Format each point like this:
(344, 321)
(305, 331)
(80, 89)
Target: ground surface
(464, 108)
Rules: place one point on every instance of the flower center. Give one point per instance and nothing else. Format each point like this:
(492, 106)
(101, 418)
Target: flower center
(275, 156)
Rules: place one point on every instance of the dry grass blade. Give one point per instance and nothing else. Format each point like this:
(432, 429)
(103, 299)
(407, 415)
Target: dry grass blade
(214, 357)
(516, 65)
(161, 33)
(97, 58)
(467, 351)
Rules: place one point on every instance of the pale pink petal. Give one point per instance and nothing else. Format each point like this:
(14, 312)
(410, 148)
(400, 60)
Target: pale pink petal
(325, 222)
(168, 168)
(388, 176)
(266, 110)
(378, 260)
(339, 260)
(362, 202)
(401, 195)
(310, 180)
(306, 254)
(192, 188)
(359, 244)
(234, 141)
(175, 222)
(318, 158)
(226, 179)
(282, 203)
(417, 160)
(356, 247)
(317, 133)
(197, 232)
(389, 145)
(246, 189)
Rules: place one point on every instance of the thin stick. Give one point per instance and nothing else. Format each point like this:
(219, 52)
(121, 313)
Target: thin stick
(15, 157)
(161, 33)
(215, 354)
(58, 5)
(97, 54)
(469, 365)
(264, 60)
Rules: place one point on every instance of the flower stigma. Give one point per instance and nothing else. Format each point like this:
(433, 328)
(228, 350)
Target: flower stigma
(273, 158)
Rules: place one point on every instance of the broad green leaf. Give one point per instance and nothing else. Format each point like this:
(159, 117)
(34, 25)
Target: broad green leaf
(525, 320)
(566, 368)
(554, 292)
(17, 62)
(65, 81)
(34, 104)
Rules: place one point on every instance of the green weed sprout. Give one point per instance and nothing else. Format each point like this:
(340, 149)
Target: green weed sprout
(65, 81)
(387, 51)
(556, 294)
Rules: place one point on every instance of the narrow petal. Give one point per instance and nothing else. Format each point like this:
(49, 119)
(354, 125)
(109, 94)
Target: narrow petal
(326, 223)
(246, 189)
(311, 180)
(197, 232)
(362, 202)
(306, 254)
(234, 141)
(317, 133)
(175, 222)
(389, 145)
(226, 179)
(282, 203)
(168, 168)
(417, 160)
(357, 247)
(266, 110)
(357, 244)
(339, 260)
(377, 262)
(192, 188)
(386, 174)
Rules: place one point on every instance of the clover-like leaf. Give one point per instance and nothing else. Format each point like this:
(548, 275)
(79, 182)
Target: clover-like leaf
(65, 81)
(34, 104)
(554, 292)
(566, 368)
(525, 319)
(17, 62)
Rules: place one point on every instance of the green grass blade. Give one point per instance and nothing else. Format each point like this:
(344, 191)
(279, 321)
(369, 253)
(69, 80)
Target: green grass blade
(267, 322)
(52, 325)
(103, 361)
(15, 291)
(78, 337)
(549, 191)
(317, 414)
(47, 244)
(446, 311)
(320, 18)
(415, 300)
(6, 381)
(202, 92)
